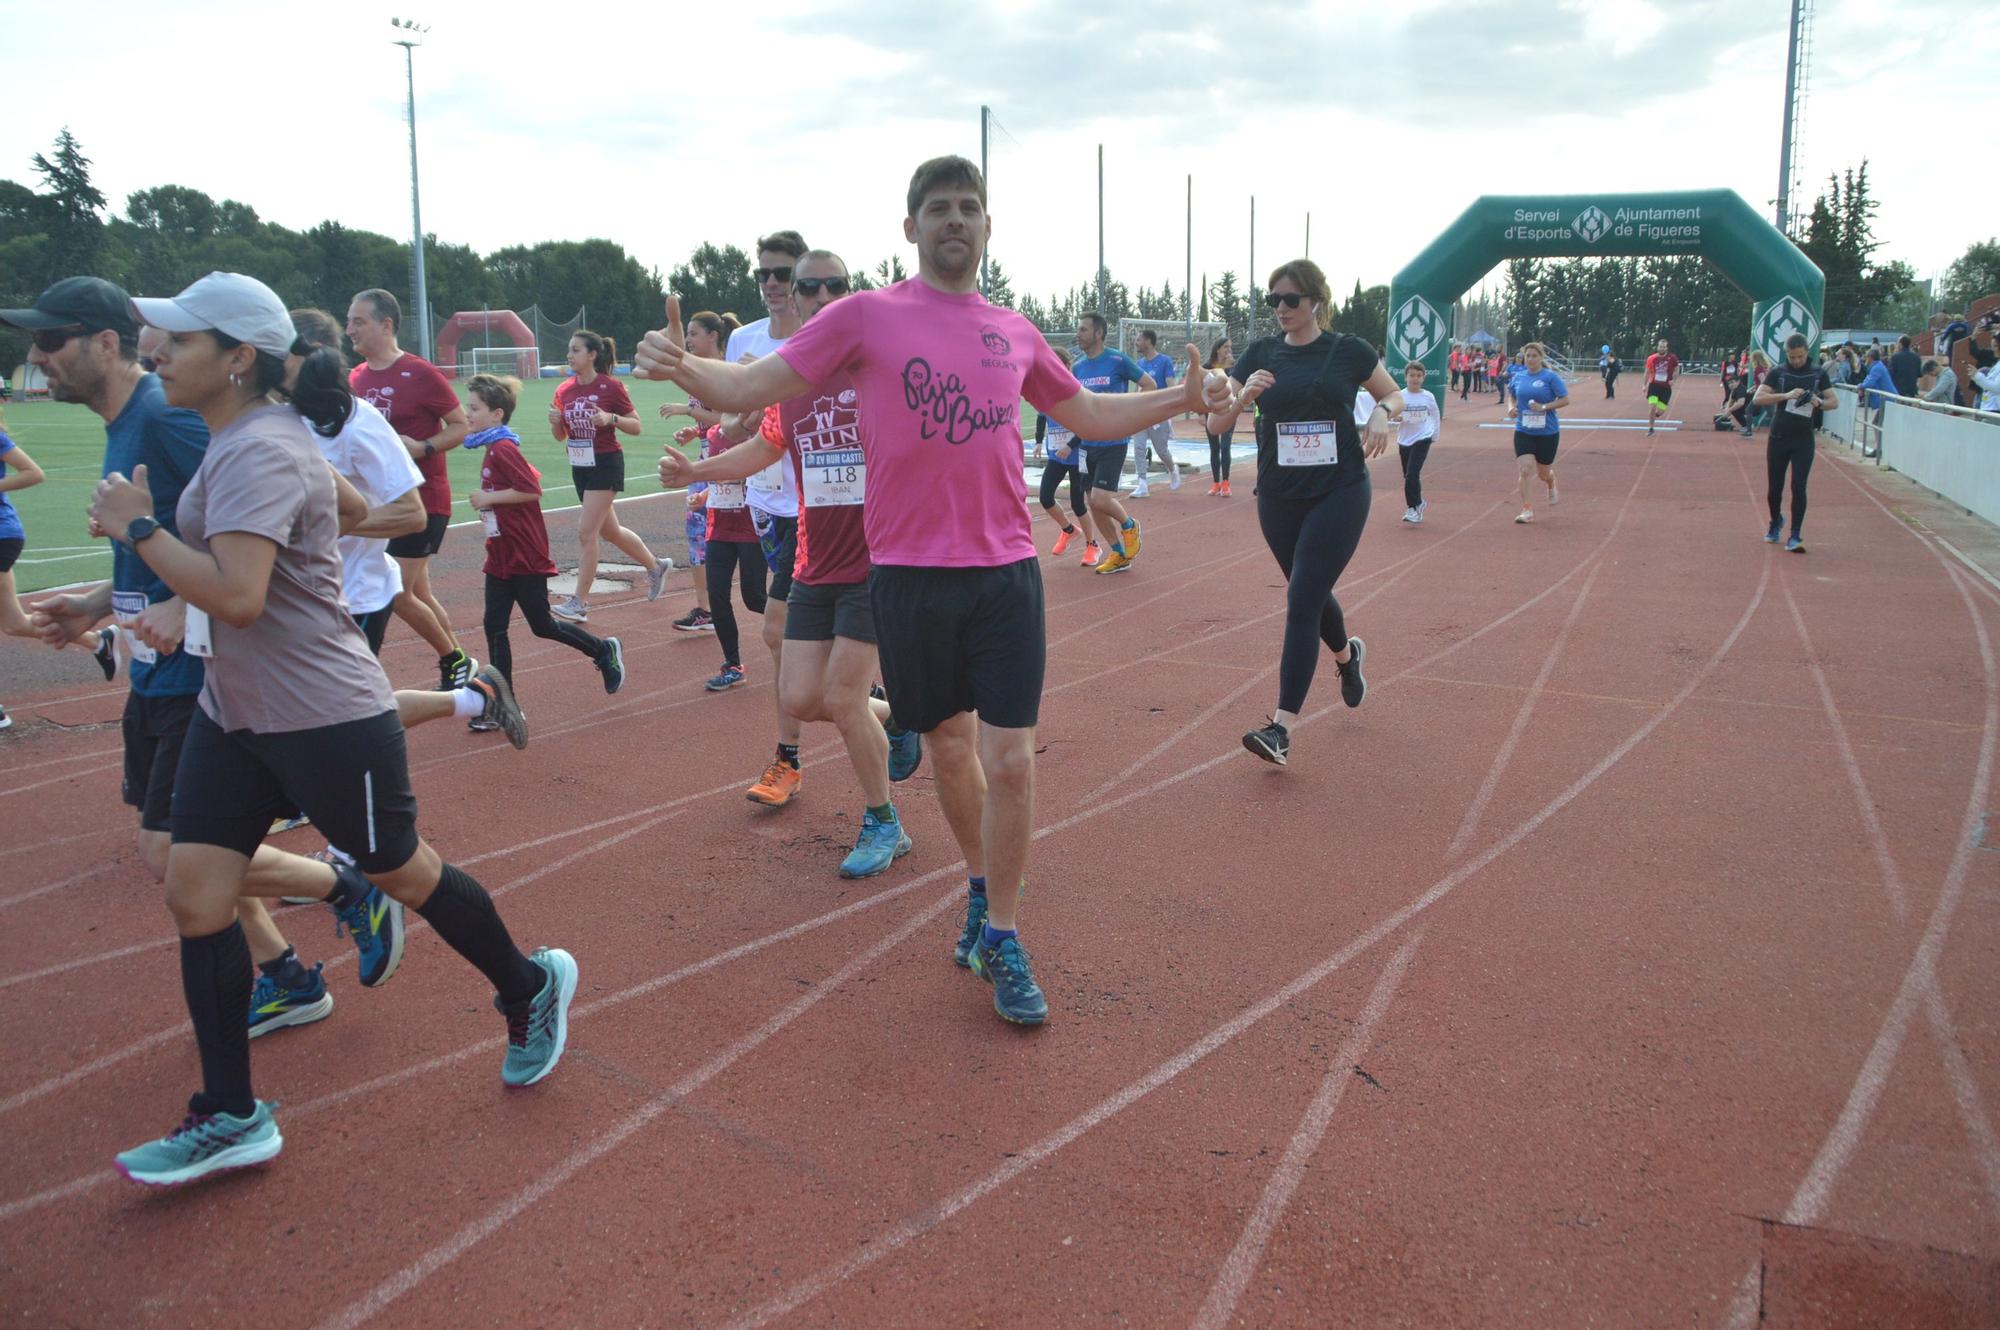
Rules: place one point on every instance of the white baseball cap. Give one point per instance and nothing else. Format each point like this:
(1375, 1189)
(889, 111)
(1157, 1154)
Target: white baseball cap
(225, 302)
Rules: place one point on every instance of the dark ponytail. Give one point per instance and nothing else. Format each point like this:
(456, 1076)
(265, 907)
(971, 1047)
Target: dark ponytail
(603, 351)
(320, 393)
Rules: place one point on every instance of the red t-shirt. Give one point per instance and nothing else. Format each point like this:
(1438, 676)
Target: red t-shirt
(728, 510)
(416, 398)
(580, 402)
(823, 431)
(520, 548)
(1662, 368)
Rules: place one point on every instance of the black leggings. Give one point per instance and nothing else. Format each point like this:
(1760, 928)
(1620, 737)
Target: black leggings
(1218, 454)
(1052, 476)
(1798, 455)
(1313, 539)
(745, 558)
(531, 593)
(1412, 459)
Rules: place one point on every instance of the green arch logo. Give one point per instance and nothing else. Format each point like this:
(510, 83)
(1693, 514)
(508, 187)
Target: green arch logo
(1785, 317)
(1591, 224)
(1416, 328)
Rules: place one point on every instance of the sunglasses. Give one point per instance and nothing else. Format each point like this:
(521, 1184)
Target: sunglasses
(770, 274)
(810, 285)
(51, 340)
(1290, 299)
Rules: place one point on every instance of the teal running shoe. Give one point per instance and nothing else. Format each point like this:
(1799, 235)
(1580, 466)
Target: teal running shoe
(273, 1006)
(968, 938)
(376, 926)
(204, 1143)
(906, 754)
(1016, 995)
(536, 1034)
(879, 845)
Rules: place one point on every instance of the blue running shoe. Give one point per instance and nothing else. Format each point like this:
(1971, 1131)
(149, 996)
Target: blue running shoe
(376, 925)
(273, 1006)
(536, 1035)
(906, 754)
(204, 1143)
(1016, 995)
(1796, 545)
(612, 666)
(731, 676)
(975, 919)
(879, 845)
(1776, 532)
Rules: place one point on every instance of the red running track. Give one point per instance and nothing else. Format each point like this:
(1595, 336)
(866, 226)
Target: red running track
(1628, 958)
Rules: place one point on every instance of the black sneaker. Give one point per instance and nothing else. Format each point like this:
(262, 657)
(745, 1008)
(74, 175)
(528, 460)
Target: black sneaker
(612, 665)
(107, 651)
(1272, 743)
(1352, 686)
(456, 670)
(501, 708)
(695, 620)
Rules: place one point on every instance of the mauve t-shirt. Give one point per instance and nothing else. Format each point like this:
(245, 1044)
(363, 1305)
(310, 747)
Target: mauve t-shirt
(302, 664)
(416, 398)
(940, 377)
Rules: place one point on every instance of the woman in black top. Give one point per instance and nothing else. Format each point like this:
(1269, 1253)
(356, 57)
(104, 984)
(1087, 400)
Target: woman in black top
(1803, 394)
(1312, 479)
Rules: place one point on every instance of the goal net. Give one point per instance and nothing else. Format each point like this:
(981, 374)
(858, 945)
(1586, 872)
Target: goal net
(1172, 335)
(519, 361)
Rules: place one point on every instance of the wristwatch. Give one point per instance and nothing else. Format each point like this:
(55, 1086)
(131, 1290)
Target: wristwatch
(140, 528)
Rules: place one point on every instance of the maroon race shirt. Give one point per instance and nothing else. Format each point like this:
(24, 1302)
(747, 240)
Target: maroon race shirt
(416, 399)
(580, 403)
(822, 429)
(517, 540)
(728, 504)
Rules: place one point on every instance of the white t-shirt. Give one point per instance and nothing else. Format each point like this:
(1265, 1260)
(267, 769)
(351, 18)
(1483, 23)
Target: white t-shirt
(1420, 417)
(773, 491)
(372, 458)
(1364, 407)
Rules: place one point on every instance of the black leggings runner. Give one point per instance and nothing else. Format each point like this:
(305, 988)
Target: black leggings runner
(1218, 454)
(1052, 476)
(727, 557)
(1798, 455)
(1412, 459)
(1313, 539)
(531, 593)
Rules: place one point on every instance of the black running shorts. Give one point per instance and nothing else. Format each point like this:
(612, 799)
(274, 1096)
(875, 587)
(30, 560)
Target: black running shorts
(10, 550)
(961, 639)
(822, 613)
(1104, 466)
(608, 474)
(1541, 447)
(154, 730)
(351, 779)
(1663, 391)
(421, 544)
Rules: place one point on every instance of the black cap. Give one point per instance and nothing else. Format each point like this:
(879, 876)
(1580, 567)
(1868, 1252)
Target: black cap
(90, 303)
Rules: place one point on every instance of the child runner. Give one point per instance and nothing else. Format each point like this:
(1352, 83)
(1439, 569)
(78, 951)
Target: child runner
(590, 409)
(1539, 393)
(710, 332)
(732, 551)
(1416, 429)
(518, 567)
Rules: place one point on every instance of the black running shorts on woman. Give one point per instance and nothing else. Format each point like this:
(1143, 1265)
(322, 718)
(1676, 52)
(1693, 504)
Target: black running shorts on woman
(961, 639)
(421, 544)
(351, 779)
(1541, 447)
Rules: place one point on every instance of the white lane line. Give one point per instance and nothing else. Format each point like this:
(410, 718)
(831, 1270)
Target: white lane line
(1244, 1258)
(911, 1229)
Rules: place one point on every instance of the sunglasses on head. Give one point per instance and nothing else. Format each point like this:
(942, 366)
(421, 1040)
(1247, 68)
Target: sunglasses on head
(1290, 299)
(783, 274)
(810, 285)
(51, 340)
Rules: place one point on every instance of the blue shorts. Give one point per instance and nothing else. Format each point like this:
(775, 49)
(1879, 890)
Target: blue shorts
(697, 537)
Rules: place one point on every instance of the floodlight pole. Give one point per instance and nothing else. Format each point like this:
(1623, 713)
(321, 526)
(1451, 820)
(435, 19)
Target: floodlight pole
(1100, 230)
(1252, 292)
(1309, 235)
(985, 115)
(412, 37)
(1791, 118)
(1187, 291)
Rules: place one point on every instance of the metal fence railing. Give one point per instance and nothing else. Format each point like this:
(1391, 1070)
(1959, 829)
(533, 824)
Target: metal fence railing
(1953, 450)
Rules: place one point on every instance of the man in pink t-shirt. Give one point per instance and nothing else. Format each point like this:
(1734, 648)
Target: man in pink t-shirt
(955, 587)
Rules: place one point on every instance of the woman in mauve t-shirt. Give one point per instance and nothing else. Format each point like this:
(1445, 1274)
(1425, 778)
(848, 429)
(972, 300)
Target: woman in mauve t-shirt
(295, 716)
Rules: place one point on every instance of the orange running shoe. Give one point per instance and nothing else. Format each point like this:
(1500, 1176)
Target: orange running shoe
(1215, 489)
(775, 788)
(1062, 541)
(1090, 554)
(1225, 490)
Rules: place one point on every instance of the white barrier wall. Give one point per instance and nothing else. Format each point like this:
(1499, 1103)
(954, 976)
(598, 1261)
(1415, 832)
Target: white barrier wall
(1956, 455)
(1839, 422)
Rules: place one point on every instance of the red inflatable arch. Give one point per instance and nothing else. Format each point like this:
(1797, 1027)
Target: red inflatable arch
(495, 323)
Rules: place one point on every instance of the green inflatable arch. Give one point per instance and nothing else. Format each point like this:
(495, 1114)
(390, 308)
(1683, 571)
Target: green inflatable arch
(1716, 224)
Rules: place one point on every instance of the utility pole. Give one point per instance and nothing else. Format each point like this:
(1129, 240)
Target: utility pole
(1309, 235)
(1251, 285)
(1187, 291)
(985, 280)
(1100, 230)
(412, 36)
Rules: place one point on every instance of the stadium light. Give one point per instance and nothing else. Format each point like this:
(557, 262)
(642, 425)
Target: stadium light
(409, 36)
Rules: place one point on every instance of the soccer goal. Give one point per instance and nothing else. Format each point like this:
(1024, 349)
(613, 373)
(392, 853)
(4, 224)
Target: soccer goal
(1173, 335)
(519, 361)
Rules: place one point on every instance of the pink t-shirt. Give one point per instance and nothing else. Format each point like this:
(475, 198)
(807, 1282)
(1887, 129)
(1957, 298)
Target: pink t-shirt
(940, 378)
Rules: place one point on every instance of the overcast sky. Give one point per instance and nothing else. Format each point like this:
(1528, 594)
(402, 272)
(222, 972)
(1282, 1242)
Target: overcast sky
(663, 125)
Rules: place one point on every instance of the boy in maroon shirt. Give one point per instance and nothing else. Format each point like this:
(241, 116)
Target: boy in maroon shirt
(518, 566)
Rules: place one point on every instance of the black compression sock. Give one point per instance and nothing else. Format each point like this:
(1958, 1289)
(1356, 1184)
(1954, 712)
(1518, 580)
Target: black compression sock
(215, 978)
(463, 915)
(789, 755)
(287, 970)
(350, 888)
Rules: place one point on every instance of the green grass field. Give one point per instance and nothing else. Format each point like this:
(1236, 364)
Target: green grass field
(68, 443)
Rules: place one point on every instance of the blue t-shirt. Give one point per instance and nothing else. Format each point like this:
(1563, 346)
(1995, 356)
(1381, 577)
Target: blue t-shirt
(10, 521)
(1106, 372)
(1534, 390)
(170, 442)
(1161, 367)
